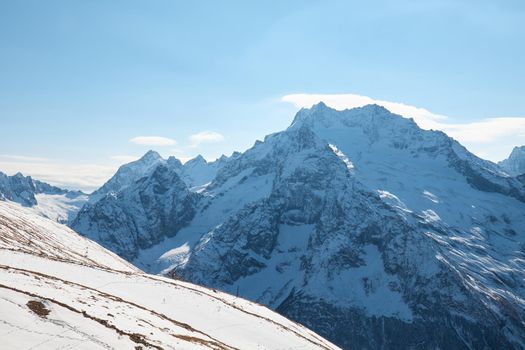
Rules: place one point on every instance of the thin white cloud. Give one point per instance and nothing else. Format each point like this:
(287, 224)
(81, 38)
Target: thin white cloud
(487, 130)
(491, 138)
(205, 137)
(86, 177)
(153, 141)
(177, 151)
(124, 158)
(23, 158)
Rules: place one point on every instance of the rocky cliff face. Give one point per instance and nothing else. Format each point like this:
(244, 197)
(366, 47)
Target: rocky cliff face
(142, 214)
(18, 188)
(358, 224)
(515, 163)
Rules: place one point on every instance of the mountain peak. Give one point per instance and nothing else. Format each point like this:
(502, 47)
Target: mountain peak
(306, 113)
(197, 160)
(128, 173)
(515, 163)
(323, 107)
(174, 161)
(150, 155)
(319, 106)
(378, 109)
(370, 116)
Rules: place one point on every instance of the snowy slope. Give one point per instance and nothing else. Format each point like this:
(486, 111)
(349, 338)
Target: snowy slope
(515, 163)
(360, 225)
(61, 208)
(49, 201)
(59, 290)
(199, 172)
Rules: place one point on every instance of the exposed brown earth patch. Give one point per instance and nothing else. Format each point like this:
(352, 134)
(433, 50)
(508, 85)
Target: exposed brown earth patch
(38, 308)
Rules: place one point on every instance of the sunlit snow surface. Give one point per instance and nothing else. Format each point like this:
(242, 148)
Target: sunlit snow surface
(59, 207)
(98, 301)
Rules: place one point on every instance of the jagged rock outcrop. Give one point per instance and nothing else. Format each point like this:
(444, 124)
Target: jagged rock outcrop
(142, 214)
(18, 188)
(515, 163)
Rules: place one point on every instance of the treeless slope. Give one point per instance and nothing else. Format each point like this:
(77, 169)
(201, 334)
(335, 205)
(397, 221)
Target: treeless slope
(59, 290)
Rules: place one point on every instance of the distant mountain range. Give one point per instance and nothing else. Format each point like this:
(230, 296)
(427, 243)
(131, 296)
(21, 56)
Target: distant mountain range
(49, 201)
(358, 224)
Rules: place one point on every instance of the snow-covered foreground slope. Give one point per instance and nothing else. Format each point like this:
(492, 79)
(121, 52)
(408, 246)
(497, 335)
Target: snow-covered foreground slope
(62, 291)
(357, 223)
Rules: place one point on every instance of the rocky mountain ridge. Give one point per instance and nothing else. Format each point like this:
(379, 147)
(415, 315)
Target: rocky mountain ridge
(356, 223)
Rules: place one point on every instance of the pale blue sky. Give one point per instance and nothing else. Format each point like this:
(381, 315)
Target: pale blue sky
(79, 79)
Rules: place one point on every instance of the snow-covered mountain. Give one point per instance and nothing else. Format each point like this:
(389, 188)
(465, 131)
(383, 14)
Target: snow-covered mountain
(151, 199)
(515, 163)
(49, 201)
(198, 172)
(357, 223)
(195, 172)
(140, 215)
(126, 174)
(59, 290)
